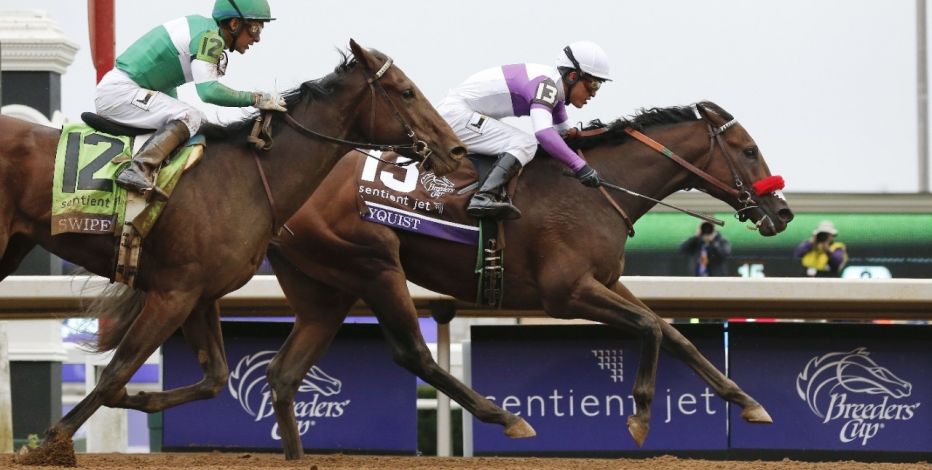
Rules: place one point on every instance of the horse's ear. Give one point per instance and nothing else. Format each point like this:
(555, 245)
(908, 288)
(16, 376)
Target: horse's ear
(354, 46)
(361, 54)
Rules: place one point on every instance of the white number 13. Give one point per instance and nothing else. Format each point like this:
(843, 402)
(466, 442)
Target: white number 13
(546, 92)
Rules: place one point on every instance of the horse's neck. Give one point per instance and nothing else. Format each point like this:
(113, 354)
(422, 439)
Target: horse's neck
(297, 163)
(636, 167)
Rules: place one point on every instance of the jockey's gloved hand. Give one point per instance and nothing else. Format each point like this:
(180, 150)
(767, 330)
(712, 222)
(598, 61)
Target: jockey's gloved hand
(268, 101)
(588, 176)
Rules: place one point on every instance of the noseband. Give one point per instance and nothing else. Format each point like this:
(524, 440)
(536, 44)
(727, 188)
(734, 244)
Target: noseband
(743, 194)
(417, 146)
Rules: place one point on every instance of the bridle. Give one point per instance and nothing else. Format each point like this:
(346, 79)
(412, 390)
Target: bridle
(743, 194)
(417, 146)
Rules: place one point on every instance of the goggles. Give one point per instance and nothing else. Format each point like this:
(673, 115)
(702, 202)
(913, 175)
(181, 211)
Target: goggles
(254, 28)
(592, 84)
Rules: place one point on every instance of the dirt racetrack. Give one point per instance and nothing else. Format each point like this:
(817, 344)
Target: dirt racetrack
(249, 461)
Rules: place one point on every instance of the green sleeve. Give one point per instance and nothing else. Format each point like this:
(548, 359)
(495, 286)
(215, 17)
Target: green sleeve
(216, 93)
(173, 92)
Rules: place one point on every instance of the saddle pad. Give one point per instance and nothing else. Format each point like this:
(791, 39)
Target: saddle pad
(407, 198)
(84, 197)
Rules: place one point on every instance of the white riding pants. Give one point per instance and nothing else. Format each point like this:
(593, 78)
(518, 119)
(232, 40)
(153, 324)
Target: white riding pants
(121, 99)
(485, 135)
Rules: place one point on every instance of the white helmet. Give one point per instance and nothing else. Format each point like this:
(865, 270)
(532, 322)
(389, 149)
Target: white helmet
(586, 57)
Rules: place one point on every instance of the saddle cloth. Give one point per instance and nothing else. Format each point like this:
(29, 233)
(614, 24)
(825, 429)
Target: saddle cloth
(85, 198)
(410, 199)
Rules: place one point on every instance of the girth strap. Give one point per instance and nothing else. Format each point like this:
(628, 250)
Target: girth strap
(276, 228)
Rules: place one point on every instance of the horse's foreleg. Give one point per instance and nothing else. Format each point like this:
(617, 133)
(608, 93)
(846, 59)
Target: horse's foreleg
(591, 300)
(392, 304)
(162, 314)
(676, 344)
(320, 311)
(202, 332)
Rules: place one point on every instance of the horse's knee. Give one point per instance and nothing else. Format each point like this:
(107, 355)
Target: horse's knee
(649, 328)
(412, 358)
(283, 381)
(111, 396)
(215, 382)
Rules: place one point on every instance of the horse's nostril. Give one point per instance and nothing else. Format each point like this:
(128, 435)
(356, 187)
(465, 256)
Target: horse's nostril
(458, 152)
(785, 215)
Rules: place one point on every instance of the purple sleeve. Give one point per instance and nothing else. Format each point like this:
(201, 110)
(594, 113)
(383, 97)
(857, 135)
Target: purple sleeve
(551, 141)
(836, 257)
(802, 248)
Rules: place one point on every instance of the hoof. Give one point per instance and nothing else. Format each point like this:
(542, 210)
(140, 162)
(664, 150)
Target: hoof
(638, 430)
(756, 414)
(520, 429)
(57, 452)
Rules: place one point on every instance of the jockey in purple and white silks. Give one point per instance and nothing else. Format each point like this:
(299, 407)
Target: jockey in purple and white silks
(474, 107)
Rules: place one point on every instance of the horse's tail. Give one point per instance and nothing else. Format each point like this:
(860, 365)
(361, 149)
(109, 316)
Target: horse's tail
(116, 308)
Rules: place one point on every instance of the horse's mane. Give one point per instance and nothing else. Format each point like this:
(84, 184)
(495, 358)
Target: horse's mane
(642, 120)
(310, 90)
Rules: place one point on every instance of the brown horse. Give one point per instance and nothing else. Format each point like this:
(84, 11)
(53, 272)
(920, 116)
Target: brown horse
(565, 256)
(213, 233)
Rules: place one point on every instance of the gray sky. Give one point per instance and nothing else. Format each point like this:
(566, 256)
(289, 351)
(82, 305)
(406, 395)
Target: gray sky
(826, 87)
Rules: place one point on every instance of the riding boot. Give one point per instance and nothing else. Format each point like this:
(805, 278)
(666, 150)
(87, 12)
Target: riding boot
(138, 175)
(490, 200)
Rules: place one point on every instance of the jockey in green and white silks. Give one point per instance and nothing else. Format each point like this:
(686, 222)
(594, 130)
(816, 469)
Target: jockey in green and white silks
(141, 90)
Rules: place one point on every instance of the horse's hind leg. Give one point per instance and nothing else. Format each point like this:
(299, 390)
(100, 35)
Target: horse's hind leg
(162, 314)
(392, 304)
(203, 334)
(592, 300)
(320, 310)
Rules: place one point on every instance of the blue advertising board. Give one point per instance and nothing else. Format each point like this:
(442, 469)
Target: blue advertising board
(834, 386)
(354, 399)
(573, 384)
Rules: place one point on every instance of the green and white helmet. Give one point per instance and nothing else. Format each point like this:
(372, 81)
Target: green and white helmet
(246, 9)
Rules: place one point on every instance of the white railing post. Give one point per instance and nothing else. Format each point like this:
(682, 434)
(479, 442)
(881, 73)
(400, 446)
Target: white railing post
(107, 428)
(6, 398)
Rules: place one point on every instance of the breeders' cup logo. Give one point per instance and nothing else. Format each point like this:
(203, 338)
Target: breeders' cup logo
(437, 187)
(851, 389)
(314, 401)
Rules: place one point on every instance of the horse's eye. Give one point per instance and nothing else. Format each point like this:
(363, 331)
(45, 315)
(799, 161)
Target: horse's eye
(408, 94)
(750, 152)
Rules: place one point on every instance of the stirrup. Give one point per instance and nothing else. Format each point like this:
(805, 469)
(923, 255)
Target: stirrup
(498, 210)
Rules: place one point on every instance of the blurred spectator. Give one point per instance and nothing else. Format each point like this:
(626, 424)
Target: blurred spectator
(708, 252)
(821, 255)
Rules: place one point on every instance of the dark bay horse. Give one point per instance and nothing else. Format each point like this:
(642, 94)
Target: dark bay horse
(565, 256)
(213, 233)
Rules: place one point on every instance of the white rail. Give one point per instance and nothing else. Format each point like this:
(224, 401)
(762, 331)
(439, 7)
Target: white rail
(62, 296)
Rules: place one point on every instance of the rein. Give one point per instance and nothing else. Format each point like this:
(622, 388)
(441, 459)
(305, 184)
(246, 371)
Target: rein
(740, 192)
